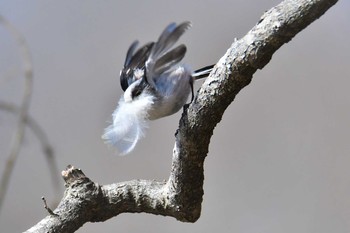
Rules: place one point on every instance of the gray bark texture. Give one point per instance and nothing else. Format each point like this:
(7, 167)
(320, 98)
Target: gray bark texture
(181, 195)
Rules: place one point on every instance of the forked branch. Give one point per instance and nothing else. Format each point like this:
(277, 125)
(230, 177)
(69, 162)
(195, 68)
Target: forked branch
(181, 195)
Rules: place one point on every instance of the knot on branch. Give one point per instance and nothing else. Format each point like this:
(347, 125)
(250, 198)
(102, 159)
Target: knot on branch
(82, 197)
(72, 175)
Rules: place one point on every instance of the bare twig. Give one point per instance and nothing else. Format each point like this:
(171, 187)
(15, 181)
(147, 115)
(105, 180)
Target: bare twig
(47, 207)
(181, 195)
(20, 129)
(45, 144)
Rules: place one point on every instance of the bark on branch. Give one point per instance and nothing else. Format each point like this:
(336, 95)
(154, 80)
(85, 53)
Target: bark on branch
(181, 195)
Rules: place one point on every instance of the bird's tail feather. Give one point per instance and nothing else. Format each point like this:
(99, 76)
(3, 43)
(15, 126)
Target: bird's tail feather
(202, 72)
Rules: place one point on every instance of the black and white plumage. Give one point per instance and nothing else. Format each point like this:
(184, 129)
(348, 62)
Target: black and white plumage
(155, 85)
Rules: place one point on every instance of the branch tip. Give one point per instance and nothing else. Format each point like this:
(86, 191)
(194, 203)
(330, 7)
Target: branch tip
(72, 174)
(47, 208)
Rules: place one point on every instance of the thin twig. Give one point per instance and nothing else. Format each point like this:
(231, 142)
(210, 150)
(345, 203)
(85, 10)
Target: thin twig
(20, 129)
(47, 207)
(45, 144)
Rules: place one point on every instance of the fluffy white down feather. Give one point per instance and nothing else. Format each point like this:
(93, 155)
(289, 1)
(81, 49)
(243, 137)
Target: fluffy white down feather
(130, 119)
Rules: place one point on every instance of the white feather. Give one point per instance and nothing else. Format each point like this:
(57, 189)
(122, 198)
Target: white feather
(130, 119)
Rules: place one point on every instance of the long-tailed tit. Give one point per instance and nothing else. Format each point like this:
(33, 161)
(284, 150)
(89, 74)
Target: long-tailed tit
(155, 85)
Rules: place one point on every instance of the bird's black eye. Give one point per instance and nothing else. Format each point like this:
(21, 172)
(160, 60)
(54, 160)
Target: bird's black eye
(136, 92)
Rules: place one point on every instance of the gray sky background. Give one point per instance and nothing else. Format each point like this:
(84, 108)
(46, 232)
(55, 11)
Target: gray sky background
(278, 161)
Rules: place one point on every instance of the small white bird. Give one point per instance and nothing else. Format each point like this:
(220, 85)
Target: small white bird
(155, 85)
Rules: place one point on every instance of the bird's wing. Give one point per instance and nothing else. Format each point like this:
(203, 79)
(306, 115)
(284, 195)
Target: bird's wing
(134, 62)
(161, 58)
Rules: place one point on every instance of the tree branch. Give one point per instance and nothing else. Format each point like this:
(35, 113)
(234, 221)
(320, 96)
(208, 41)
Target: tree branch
(181, 195)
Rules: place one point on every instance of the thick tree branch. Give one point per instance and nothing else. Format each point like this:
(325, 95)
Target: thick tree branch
(181, 195)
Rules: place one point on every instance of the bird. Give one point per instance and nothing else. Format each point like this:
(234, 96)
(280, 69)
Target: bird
(155, 85)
